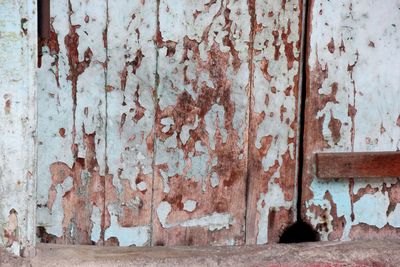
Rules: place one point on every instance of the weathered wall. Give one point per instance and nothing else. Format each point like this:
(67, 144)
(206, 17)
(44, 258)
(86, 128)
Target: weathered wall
(145, 108)
(353, 89)
(17, 125)
(176, 124)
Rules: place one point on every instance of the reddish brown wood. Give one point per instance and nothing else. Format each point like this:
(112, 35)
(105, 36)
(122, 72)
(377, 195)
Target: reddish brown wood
(357, 164)
(44, 18)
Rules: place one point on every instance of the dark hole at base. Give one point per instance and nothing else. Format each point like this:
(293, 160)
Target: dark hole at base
(299, 232)
(44, 236)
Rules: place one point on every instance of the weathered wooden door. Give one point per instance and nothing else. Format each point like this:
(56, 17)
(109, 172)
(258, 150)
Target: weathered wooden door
(168, 122)
(352, 105)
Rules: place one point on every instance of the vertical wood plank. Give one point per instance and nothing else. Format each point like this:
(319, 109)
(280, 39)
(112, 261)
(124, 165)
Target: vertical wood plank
(352, 106)
(72, 124)
(201, 123)
(18, 120)
(130, 121)
(273, 118)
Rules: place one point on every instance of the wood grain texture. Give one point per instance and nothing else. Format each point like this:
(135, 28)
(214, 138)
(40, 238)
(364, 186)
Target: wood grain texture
(201, 123)
(130, 88)
(275, 55)
(149, 110)
(18, 121)
(351, 106)
(71, 153)
(357, 165)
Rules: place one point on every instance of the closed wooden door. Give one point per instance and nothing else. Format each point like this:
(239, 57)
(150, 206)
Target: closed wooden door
(168, 123)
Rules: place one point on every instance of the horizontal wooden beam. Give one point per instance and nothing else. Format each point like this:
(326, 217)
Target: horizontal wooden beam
(357, 165)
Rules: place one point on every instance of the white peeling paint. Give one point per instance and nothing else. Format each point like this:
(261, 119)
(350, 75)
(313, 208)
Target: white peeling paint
(371, 209)
(142, 186)
(127, 236)
(274, 198)
(214, 180)
(189, 205)
(215, 221)
(96, 222)
(168, 122)
(18, 120)
(394, 217)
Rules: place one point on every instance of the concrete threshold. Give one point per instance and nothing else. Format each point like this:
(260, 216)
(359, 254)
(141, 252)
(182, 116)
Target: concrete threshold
(321, 254)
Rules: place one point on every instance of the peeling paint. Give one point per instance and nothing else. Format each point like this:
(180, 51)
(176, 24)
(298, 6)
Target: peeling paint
(203, 89)
(275, 72)
(159, 138)
(189, 205)
(215, 221)
(18, 120)
(72, 123)
(126, 236)
(10, 230)
(131, 57)
(352, 106)
(156, 118)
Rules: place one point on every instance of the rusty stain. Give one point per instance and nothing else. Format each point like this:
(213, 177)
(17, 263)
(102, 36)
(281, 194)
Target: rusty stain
(11, 232)
(371, 44)
(331, 46)
(335, 126)
(61, 131)
(23, 26)
(278, 219)
(7, 106)
(54, 49)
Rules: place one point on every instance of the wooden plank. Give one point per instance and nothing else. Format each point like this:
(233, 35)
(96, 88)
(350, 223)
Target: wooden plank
(18, 120)
(71, 124)
(351, 106)
(276, 27)
(358, 165)
(201, 123)
(130, 121)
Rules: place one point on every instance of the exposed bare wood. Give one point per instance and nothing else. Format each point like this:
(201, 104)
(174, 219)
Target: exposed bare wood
(275, 71)
(357, 165)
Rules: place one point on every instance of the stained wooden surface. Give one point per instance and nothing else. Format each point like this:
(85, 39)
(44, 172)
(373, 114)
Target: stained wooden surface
(71, 123)
(358, 165)
(130, 121)
(352, 105)
(273, 130)
(156, 118)
(201, 123)
(149, 111)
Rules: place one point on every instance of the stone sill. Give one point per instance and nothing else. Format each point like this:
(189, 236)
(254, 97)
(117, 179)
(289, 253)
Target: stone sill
(321, 254)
